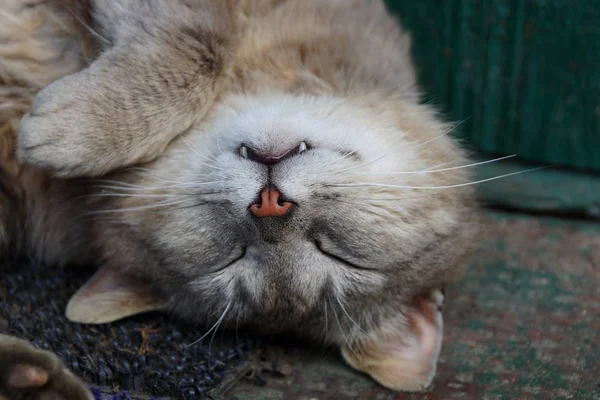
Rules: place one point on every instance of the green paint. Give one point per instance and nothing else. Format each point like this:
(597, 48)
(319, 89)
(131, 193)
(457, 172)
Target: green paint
(526, 74)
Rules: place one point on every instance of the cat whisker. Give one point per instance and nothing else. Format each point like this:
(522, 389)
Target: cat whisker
(202, 203)
(437, 168)
(149, 173)
(152, 175)
(154, 188)
(384, 185)
(437, 160)
(434, 165)
(214, 327)
(395, 149)
(105, 183)
(212, 157)
(140, 208)
(368, 201)
(143, 196)
(115, 218)
(87, 26)
(12, 19)
(215, 332)
(351, 145)
(348, 315)
(208, 159)
(426, 171)
(325, 304)
(344, 335)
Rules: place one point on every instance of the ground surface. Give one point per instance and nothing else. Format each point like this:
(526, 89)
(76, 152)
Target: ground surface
(524, 323)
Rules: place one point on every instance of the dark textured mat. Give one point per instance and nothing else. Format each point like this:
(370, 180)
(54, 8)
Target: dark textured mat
(141, 357)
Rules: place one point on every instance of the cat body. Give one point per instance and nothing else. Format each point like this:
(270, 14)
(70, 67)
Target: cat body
(265, 163)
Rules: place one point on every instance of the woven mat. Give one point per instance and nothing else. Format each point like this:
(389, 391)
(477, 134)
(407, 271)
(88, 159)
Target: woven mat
(142, 357)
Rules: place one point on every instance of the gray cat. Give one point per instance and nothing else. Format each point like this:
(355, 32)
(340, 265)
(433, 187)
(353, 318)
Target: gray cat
(265, 163)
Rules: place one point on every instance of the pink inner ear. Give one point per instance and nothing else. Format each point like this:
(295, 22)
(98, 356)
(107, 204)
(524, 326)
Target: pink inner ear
(403, 354)
(110, 295)
(428, 323)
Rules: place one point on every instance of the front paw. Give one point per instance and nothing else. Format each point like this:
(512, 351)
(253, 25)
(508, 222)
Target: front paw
(26, 372)
(63, 133)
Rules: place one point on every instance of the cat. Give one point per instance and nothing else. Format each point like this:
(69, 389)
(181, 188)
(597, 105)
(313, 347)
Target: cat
(265, 163)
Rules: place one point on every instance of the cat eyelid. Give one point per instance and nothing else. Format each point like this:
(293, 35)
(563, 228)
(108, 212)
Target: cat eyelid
(319, 246)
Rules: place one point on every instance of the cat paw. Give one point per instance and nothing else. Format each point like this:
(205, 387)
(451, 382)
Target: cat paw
(66, 133)
(27, 372)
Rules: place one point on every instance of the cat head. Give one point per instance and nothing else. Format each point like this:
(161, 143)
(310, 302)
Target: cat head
(327, 217)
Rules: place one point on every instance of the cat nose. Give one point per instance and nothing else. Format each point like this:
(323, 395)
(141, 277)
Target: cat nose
(269, 159)
(271, 204)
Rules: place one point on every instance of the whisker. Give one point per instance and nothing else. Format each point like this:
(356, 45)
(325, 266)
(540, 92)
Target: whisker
(151, 208)
(434, 165)
(87, 26)
(215, 332)
(348, 315)
(437, 170)
(187, 143)
(148, 188)
(351, 145)
(215, 326)
(145, 196)
(377, 199)
(195, 205)
(12, 19)
(112, 182)
(343, 333)
(115, 218)
(363, 184)
(151, 174)
(326, 322)
(140, 208)
(395, 150)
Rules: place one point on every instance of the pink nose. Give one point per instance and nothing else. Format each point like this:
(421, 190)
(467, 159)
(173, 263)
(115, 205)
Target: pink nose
(270, 205)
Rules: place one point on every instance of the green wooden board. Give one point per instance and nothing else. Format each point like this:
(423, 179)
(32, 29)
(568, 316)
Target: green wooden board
(549, 190)
(525, 74)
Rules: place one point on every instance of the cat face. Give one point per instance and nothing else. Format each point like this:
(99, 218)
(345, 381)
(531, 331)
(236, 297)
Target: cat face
(355, 229)
(321, 216)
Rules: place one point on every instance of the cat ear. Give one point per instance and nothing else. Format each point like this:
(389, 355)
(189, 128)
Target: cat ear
(403, 358)
(108, 296)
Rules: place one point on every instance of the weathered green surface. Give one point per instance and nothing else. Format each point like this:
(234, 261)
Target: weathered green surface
(522, 324)
(547, 190)
(525, 73)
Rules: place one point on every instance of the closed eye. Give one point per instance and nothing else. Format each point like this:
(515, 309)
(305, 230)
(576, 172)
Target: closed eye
(319, 246)
(234, 260)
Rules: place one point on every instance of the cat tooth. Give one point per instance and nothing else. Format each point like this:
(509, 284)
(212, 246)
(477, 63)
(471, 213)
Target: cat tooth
(302, 148)
(244, 152)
